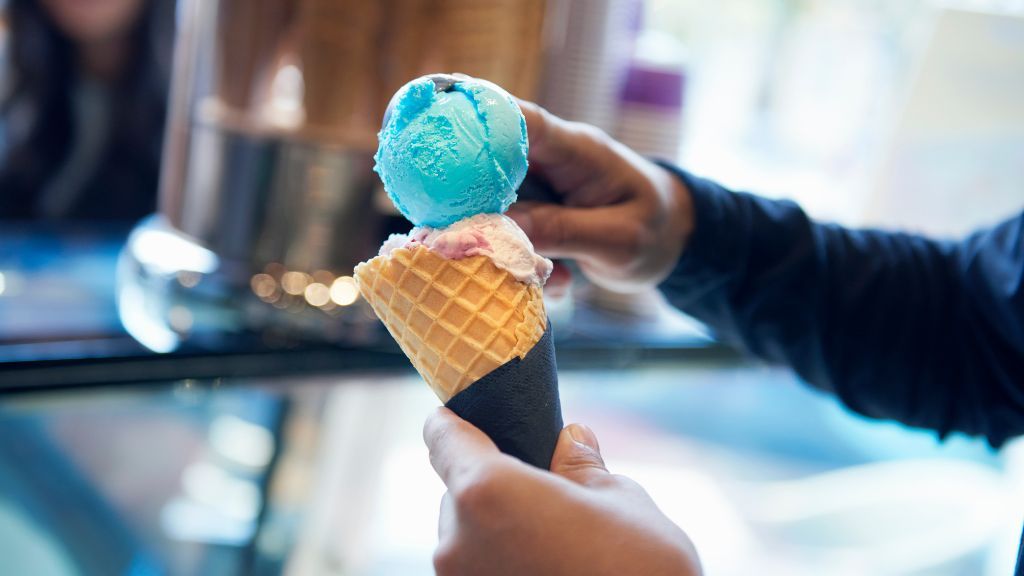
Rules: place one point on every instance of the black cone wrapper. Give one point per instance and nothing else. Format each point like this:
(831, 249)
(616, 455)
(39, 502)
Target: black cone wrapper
(517, 404)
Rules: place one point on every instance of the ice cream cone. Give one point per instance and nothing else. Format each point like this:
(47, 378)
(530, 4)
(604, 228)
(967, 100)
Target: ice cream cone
(461, 292)
(456, 320)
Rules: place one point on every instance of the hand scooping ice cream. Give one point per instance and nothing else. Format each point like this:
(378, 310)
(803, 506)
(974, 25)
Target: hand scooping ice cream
(461, 292)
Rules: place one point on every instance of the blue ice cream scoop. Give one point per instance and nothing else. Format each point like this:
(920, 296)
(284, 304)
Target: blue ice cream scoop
(451, 147)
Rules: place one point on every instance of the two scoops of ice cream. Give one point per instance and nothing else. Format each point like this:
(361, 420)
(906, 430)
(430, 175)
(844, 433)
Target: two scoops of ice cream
(461, 292)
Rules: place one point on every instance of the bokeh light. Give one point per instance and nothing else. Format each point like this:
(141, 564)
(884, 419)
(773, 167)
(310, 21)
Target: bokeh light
(294, 282)
(264, 286)
(344, 291)
(318, 294)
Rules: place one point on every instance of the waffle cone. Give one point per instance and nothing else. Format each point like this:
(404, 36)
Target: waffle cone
(456, 320)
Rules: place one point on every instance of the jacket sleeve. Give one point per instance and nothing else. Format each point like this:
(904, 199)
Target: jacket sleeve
(898, 326)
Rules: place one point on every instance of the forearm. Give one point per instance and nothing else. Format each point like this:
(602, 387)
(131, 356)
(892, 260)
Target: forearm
(883, 320)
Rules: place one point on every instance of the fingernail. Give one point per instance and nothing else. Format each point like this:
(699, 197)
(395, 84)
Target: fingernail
(522, 218)
(585, 436)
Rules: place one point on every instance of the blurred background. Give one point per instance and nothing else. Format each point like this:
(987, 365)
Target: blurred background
(190, 384)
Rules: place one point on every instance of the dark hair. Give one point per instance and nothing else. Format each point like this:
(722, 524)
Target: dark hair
(38, 123)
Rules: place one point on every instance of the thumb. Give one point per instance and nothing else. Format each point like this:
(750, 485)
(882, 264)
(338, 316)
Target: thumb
(570, 232)
(457, 448)
(578, 455)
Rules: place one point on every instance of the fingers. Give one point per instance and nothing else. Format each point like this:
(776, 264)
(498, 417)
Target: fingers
(547, 135)
(457, 448)
(578, 456)
(607, 233)
(572, 156)
(559, 282)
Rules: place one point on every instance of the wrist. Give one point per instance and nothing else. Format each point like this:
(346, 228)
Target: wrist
(684, 210)
(679, 217)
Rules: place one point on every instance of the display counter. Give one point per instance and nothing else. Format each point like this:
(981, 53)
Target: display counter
(239, 453)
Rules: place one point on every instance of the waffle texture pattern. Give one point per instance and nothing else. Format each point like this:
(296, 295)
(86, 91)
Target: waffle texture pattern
(456, 320)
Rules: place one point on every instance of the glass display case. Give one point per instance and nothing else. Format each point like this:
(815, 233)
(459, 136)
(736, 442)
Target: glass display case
(327, 474)
(251, 453)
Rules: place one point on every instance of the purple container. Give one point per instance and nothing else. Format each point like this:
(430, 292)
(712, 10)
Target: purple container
(653, 87)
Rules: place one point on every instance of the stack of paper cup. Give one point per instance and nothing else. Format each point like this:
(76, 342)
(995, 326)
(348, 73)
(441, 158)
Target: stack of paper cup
(498, 40)
(651, 105)
(250, 32)
(589, 44)
(338, 52)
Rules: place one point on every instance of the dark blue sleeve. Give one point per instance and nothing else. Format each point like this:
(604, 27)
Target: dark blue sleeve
(898, 326)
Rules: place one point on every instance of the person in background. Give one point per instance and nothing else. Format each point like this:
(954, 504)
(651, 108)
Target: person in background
(83, 93)
(929, 333)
